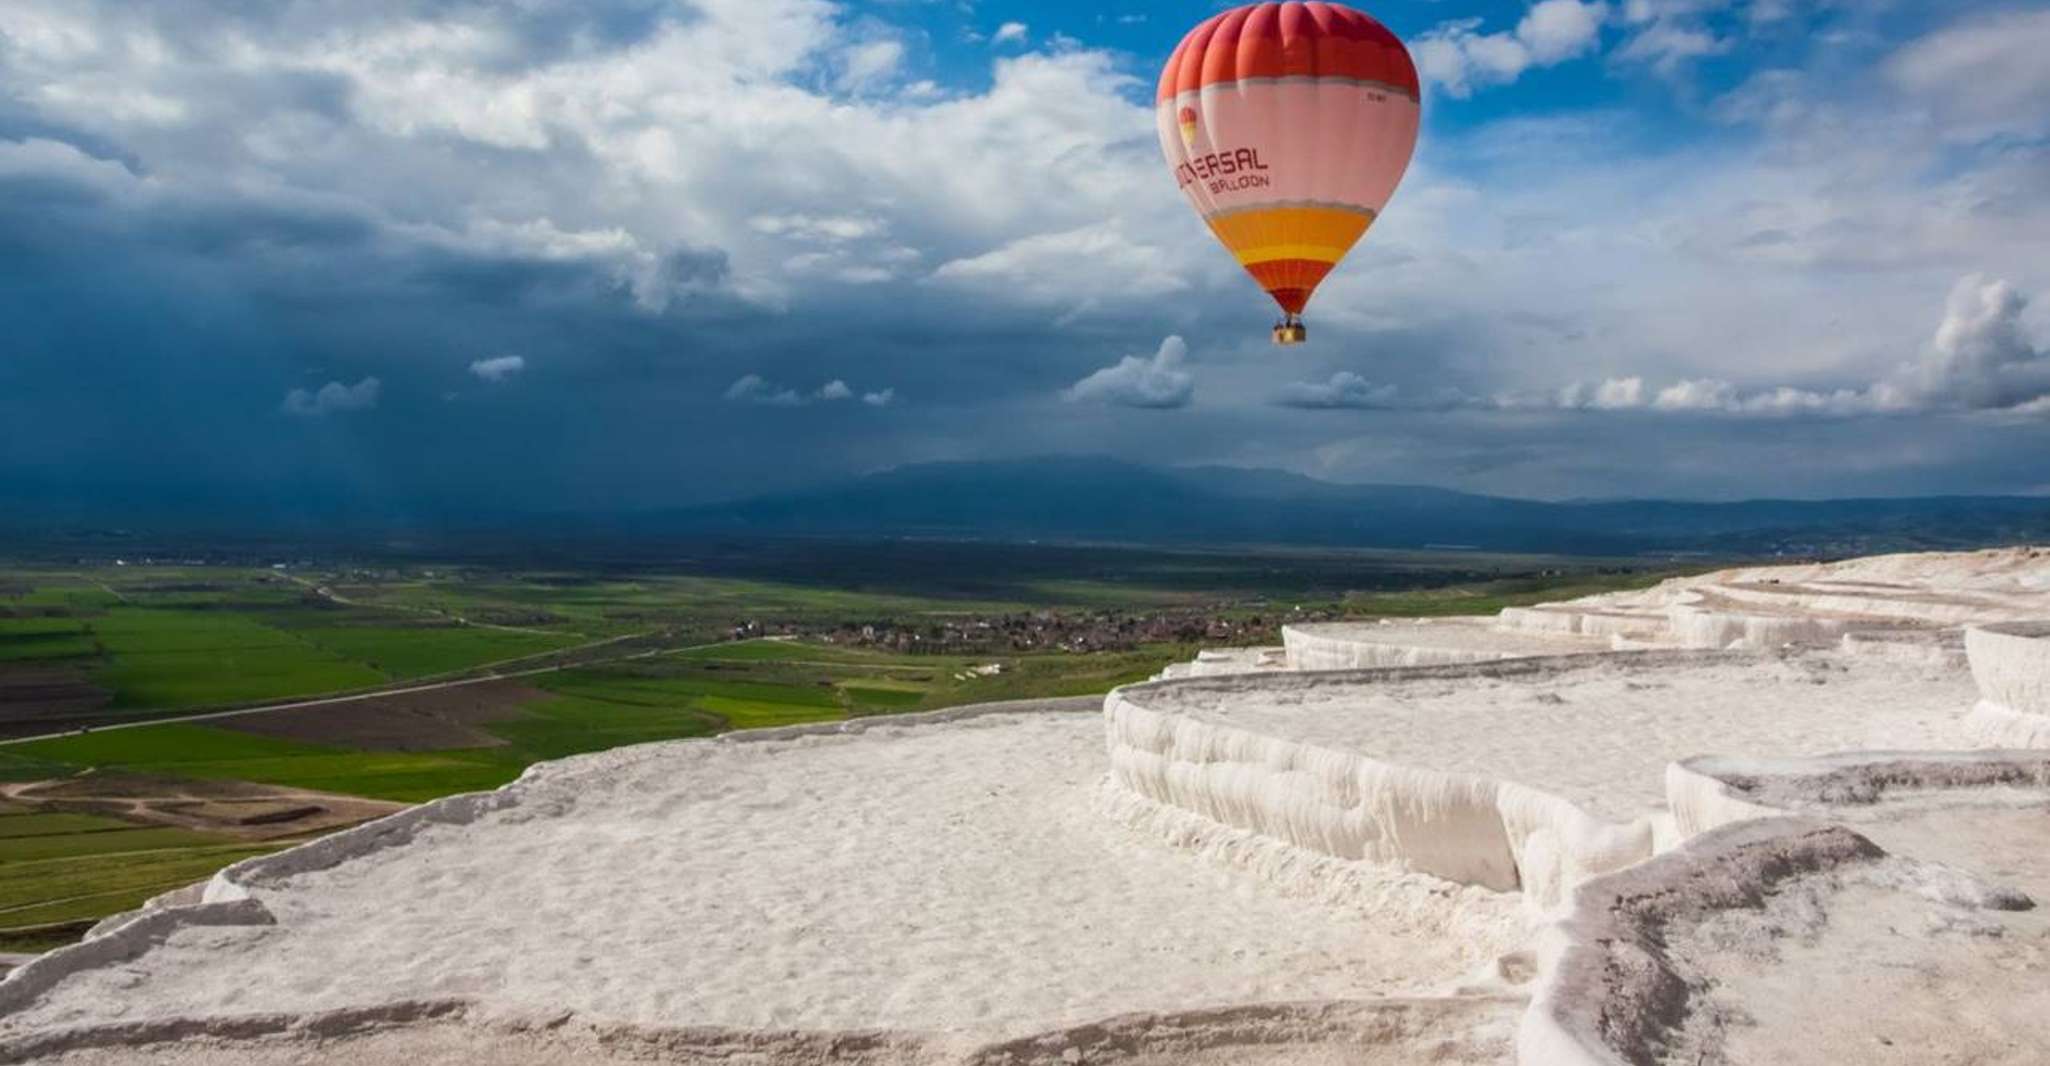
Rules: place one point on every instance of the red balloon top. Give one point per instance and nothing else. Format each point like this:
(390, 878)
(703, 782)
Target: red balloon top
(1282, 40)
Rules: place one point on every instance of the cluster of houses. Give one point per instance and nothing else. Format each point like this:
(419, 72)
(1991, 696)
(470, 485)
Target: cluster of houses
(1050, 630)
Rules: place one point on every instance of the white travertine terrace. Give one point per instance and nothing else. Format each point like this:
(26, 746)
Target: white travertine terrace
(1528, 775)
(1378, 843)
(1218, 662)
(1422, 642)
(2011, 663)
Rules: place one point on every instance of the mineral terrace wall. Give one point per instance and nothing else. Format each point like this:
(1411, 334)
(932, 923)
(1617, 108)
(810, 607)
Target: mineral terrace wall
(2011, 664)
(1460, 827)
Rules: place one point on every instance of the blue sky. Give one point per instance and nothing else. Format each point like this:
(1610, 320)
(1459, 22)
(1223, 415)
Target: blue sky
(431, 255)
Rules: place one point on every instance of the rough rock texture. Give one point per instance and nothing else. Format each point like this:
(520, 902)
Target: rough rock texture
(1894, 935)
(1708, 792)
(1471, 1030)
(1611, 992)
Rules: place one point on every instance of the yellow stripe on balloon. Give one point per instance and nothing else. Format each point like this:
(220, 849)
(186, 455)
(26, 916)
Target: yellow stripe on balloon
(1319, 233)
(1322, 253)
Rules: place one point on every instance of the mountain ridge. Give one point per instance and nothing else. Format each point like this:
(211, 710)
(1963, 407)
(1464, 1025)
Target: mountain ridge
(1084, 498)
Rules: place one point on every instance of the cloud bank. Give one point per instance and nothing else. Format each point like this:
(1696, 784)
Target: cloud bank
(1159, 383)
(497, 368)
(332, 398)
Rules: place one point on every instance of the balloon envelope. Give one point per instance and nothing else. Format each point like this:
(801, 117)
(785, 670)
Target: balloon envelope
(1288, 126)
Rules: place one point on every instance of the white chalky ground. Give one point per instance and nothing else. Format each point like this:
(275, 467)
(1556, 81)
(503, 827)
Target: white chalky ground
(950, 877)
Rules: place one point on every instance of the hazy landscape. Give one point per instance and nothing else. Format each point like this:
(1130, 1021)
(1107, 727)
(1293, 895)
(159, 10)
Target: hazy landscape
(499, 668)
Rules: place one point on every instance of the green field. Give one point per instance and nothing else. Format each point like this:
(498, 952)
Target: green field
(184, 639)
(1489, 597)
(209, 752)
(60, 872)
(401, 652)
(166, 658)
(46, 639)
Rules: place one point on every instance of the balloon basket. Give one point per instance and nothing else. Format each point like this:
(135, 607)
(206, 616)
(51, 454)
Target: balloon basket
(1290, 331)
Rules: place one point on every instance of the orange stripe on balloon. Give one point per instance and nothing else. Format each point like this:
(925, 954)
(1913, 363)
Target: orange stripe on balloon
(1295, 227)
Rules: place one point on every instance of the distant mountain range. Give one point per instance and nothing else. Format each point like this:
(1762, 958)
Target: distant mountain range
(1071, 500)
(1100, 499)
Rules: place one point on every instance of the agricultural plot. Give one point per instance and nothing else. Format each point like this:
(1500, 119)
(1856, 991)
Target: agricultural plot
(76, 652)
(63, 592)
(213, 753)
(45, 639)
(59, 871)
(884, 694)
(168, 658)
(716, 697)
(570, 725)
(401, 652)
(702, 606)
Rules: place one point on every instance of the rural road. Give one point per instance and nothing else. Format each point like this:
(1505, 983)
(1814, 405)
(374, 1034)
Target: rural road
(329, 594)
(355, 697)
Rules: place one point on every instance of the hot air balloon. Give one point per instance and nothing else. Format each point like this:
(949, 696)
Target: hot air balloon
(1288, 126)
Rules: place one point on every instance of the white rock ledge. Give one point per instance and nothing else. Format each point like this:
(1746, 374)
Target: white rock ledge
(1463, 828)
(1796, 849)
(1423, 642)
(2011, 664)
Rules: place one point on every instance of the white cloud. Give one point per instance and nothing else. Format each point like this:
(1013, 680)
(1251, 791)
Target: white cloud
(1345, 389)
(1459, 59)
(833, 229)
(1558, 30)
(1009, 33)
(1711, 396)
(1669, 33)
(679, 137)
(754, 389)
(1665, 46)
(1984, 77)
(498, 368)
(1135, 381)
(332, 398)
(1702, 394)
(1981, 358)
(1076, 265)
(869, 65)
(1618, 394)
